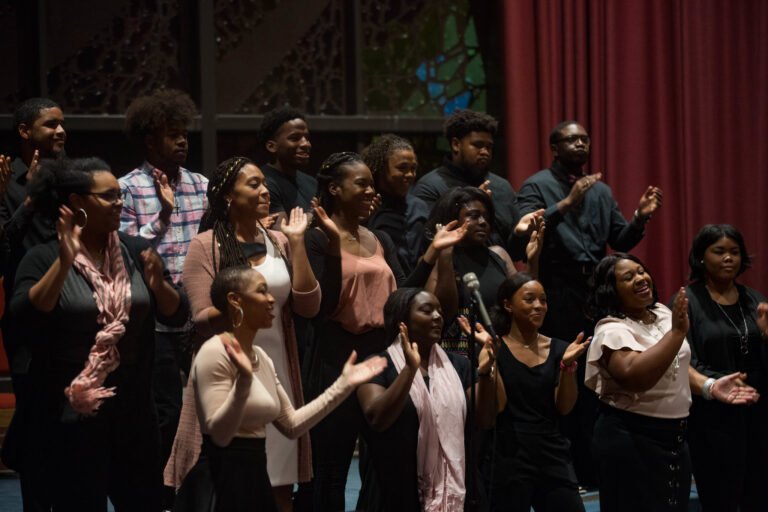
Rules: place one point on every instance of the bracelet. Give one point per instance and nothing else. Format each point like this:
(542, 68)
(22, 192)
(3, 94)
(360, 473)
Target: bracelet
(569, 368)
(706, 389)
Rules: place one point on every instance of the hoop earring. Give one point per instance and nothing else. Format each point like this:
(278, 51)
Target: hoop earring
(242, 317)
(85, 218)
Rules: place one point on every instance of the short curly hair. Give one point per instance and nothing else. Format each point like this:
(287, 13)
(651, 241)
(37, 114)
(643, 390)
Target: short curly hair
(28, 112)
(463, 122)
(162, 108)
(276, 118)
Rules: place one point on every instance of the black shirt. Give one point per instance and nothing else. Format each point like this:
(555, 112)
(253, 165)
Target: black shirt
(287, 192)
(583, 234)
(433, 185)
(390, 482)
(403, 220)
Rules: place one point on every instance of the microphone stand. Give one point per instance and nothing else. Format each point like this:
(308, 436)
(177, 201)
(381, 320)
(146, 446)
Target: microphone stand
(470, 480)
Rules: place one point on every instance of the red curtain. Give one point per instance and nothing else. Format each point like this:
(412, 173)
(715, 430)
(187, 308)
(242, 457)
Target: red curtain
(673, 93)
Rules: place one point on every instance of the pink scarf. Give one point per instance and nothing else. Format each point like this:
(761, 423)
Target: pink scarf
(112, 292)
(442, 411)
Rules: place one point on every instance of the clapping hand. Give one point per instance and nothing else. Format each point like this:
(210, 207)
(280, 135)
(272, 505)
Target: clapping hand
(5, 173)
(165, 194)
(762, 318)
(650, 201)
(449, 235)
(581, 187)
(239, 358)
(680, 321)
(324, 222)
(296, 223)
(410, 349)
(360, 373)
(732, 389)
(575, 349)
(528, 222)
(536, 242)
(69, 236)
(487, 355)
(486, 187)
(153, 269)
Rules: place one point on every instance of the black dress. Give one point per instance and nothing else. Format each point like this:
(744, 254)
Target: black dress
(725, 436)
(389, 480)
(532, 463)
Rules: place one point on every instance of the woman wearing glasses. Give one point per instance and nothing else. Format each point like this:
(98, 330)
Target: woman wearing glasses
(88, 303)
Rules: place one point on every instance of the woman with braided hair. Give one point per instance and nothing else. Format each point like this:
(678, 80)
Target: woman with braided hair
(232, 233)
(357, 269)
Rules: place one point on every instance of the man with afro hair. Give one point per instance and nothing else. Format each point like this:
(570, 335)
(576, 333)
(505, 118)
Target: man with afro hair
(470, 136)
(164, 203)
(285, 135)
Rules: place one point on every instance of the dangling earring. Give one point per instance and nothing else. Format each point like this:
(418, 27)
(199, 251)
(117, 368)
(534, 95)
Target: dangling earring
(242, 317)
(229, 203)
(85, 218)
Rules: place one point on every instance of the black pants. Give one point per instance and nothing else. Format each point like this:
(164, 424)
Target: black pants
(239, 473)
(334, 438)
(729, 448)
(643, 462)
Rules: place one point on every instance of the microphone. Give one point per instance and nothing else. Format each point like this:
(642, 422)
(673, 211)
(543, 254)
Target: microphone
(473, 285)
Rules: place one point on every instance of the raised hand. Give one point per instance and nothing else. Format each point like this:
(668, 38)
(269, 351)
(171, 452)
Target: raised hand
(575, 349)
(269, 221)
(165, 194)
(536, 242)
(325, 222)
(410, 349)
(69, 236)
(731, 389)
(486, 187)
(487, 355)
(762, 318)
(153, 269)
(296, 223)
(360, 373)
(34, 166)
(5, 173)
(650, 201)
(680, 321)
(449, 235)
(239, 358)
(376, 203)
(581, 187)
(528, 222)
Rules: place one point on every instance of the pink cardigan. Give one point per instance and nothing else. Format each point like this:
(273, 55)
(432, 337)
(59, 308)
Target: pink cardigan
(198, 275)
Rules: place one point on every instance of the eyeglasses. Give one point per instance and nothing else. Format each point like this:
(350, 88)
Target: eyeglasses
(572, 139)
(112, 196)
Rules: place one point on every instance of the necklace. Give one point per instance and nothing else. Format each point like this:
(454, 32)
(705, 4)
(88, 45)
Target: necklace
(742, 336)
(654, 332)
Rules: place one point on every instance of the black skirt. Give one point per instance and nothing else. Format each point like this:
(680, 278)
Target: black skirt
(644, 463)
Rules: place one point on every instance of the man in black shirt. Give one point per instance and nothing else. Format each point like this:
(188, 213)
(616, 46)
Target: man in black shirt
(582, 220)
(285, 134)
(470, 135)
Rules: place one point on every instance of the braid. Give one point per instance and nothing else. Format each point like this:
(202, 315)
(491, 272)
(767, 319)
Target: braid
(330, 172)
(216, 217)
(376, 156)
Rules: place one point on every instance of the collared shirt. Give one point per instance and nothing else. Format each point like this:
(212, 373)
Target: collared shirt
(287, 192)
(141, 213)
(582, 235)
(436, 183)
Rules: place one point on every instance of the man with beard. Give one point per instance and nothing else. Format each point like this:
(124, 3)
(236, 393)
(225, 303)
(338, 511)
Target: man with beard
(582, 219)
(285, 135)
(470, 135)
(164, 203)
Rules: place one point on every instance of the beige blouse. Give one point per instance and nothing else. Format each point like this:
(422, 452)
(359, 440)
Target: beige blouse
(227, 410)
(670, 397)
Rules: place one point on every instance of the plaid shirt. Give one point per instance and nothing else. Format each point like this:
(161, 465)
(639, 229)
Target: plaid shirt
(141, 213)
